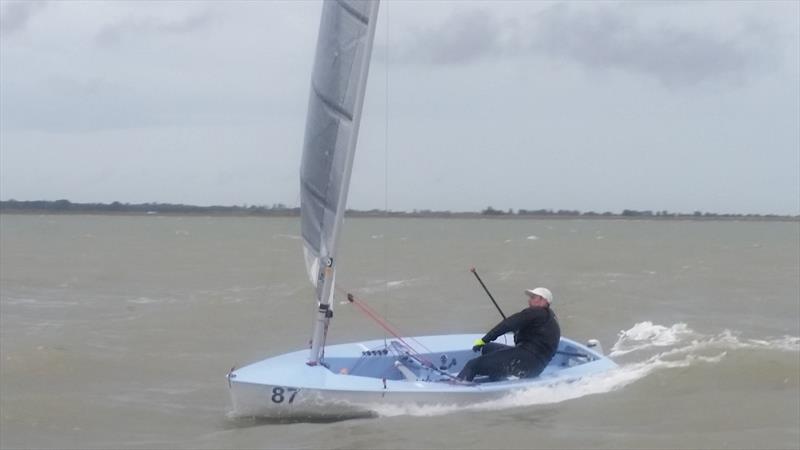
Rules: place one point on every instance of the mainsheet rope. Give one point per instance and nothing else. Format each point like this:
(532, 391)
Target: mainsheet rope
(391, 329)
(385, 324)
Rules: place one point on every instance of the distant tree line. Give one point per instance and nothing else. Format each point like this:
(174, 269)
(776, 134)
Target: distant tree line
(489, 211)
(279, 209)
(65, 206)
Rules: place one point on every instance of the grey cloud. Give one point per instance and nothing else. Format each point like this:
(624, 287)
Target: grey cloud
(611, 38)
(603, 37)
(464, 38)
(16, 15)
(63, 104)
(113, 34)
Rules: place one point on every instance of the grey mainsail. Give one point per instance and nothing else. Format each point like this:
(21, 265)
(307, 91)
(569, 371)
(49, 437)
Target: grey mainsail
(338, 84)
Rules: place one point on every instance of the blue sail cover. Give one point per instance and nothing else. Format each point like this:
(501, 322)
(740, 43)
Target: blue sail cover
(338, 84)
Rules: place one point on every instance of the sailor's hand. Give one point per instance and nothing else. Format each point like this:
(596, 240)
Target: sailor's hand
(476, 346)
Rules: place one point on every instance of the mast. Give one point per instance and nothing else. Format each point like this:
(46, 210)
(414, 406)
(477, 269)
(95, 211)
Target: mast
(338, 85)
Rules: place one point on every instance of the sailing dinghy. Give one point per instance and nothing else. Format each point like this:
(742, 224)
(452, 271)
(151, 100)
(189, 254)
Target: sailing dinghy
(346, 379)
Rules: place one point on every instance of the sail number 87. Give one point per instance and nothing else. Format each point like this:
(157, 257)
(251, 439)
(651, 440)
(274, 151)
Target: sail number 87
(279, 394)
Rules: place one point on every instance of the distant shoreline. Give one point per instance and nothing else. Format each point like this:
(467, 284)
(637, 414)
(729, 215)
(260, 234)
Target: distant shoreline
(64, 207)
(683, 218)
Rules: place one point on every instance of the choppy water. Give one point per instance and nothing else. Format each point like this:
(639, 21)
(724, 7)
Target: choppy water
(116, 332)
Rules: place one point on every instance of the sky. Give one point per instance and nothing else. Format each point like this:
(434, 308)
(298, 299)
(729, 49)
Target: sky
(590, 106)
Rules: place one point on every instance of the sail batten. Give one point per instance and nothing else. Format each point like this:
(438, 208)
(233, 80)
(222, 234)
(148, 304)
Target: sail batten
(333, 107)
(354, 12)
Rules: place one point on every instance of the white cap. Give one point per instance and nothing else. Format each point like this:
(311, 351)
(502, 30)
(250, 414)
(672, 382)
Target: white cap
(543, 292)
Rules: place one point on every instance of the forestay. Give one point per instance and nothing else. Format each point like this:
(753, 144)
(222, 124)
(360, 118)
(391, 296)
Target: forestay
(338, 84)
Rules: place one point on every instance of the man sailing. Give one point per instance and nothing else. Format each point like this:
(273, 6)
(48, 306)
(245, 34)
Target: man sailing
(536, 338)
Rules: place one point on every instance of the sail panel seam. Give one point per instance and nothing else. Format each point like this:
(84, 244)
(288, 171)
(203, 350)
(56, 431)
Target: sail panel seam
(320, 197)
(353, 12)
(332, 106)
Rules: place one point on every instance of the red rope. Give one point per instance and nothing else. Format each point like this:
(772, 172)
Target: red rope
(383, 323)
(386, 325)
(420, 344)
(380, 321)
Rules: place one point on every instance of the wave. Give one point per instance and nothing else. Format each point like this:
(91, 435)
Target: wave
(286, 236)
(556, 393)
(384, 285)
(150, 301)
(676, 346)
(38, 303)
(647, 336)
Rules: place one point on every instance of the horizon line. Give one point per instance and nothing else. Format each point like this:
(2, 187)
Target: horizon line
(117, 206)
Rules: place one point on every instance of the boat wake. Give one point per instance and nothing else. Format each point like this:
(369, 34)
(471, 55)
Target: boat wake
(640, 351)
(645, 337)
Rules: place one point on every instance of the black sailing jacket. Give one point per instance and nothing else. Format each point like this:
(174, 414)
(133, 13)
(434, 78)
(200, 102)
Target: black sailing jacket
(535, 329)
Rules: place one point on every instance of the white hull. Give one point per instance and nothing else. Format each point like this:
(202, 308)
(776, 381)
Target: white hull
(355, 384)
